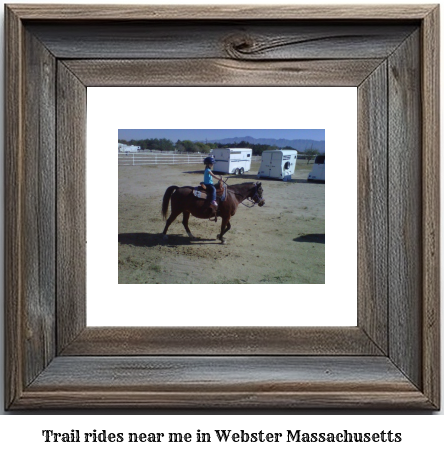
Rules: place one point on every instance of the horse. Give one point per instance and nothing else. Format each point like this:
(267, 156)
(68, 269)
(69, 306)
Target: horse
(184, 201)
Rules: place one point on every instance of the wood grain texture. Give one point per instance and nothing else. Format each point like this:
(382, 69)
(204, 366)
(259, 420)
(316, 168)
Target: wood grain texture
(209, 72)
(127, 341)
(372, 207)
(405, 209)
(13, 209)
(234, 382)
(430, 94)
(219, 12)
(408, 377)
(30, 208)
(39, 230)
(209, 373)
(244, 401)
(237, 40)
(71, 206)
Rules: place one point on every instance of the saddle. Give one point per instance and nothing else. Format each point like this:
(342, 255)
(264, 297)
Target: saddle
(201, 191)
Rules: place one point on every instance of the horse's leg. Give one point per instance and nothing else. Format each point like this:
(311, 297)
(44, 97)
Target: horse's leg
(225, 226)
(186, 217)
(171, 218)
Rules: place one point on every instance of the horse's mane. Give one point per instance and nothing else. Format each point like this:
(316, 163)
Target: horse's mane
(243, 184)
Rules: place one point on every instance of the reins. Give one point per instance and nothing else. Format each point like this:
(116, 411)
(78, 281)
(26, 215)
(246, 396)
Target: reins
(249, 198)
(249, 207)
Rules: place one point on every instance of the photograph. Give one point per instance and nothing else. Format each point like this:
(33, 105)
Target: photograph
(158, 322)
(221, 206)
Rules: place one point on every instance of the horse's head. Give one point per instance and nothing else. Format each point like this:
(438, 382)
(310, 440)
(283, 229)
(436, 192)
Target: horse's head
(258, 194)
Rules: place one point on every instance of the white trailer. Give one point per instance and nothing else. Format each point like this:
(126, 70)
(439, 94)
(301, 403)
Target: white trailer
(126, 148)
(232, 161)
(318, 171)
(278, 164)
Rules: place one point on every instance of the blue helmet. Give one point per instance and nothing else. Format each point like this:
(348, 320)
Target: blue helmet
(209, 161)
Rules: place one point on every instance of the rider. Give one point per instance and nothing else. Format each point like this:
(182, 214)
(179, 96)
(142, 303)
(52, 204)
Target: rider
(208, 179)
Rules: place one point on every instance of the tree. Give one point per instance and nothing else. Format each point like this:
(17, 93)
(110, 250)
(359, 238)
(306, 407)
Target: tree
(259, 148)
(203, 148)
(311, 153)
(179, 146)
(190, 146)
(213, 145)
(166, 144)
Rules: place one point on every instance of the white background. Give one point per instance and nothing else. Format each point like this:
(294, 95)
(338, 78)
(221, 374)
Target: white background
(421, 434)
(329, 304)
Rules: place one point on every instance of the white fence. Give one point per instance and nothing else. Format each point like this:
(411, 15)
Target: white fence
(149, 158)
(166, 158)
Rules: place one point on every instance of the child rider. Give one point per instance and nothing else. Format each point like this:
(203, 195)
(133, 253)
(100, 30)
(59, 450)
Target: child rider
(208, 179)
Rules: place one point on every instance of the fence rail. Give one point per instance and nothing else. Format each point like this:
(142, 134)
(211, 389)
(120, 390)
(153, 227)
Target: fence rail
(149, 158)
(170, 158)
(133, 159)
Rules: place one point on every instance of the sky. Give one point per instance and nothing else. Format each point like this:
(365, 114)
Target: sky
(212, 135)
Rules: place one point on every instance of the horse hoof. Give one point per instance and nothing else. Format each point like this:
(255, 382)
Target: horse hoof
(223, 241)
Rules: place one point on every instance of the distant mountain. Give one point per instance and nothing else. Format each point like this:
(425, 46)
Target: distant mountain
(299, 144)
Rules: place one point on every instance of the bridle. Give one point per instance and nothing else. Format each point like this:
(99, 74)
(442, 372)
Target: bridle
(255, 199)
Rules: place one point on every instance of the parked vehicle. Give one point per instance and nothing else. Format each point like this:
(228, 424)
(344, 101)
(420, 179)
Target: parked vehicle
(127, 148)
(232, 161)
(318, 171)
(278, 164)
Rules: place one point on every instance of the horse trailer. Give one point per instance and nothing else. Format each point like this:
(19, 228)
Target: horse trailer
(278, 164)
(318, 171)
(232, 161)
(126, 148)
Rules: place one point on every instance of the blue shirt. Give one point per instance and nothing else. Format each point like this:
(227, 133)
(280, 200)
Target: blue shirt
(208, 178)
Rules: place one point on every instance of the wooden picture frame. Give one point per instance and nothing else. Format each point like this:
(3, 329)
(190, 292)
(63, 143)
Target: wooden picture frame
(390, 360)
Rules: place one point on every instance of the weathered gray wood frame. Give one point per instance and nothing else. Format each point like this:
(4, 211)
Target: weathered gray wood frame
(390, 360)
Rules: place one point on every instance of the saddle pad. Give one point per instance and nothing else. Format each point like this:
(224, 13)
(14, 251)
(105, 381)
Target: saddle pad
(199, 193)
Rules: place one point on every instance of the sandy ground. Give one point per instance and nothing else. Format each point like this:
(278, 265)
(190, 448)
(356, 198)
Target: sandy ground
(281, 242)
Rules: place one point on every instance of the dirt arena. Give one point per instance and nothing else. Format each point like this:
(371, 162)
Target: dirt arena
(281, 242)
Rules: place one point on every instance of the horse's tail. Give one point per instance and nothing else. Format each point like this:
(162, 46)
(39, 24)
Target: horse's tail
(166, 199)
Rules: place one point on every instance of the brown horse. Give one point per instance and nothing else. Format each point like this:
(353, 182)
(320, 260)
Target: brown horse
(184, 201)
